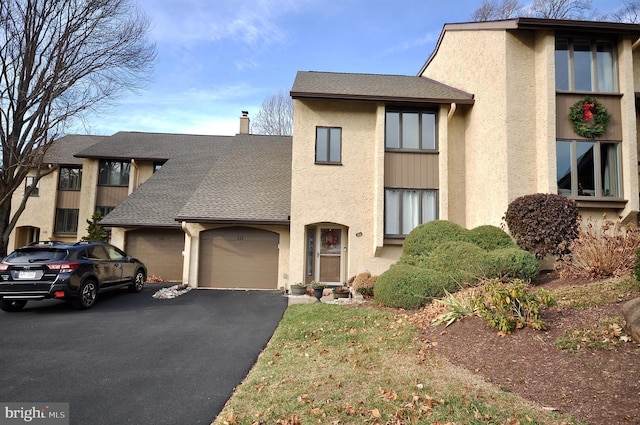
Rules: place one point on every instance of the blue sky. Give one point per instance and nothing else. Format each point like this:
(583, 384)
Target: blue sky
(217, 58)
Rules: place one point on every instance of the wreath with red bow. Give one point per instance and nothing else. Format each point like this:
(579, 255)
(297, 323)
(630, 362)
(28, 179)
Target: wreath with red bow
(330, 238)
(589, 118)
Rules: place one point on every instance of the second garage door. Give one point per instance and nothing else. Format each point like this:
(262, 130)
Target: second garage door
(238, 257)
(159, 249)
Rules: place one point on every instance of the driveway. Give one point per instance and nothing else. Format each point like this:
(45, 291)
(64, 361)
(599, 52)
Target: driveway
(133, 359)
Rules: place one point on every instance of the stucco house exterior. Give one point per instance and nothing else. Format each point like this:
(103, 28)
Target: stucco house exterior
(484, 121)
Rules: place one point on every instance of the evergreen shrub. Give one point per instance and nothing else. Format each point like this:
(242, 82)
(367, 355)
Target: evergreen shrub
(409, 287)
(490, 237)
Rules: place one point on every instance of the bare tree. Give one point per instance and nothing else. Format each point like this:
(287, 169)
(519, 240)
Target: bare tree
(561, 9)
(275, 116)
(58, 60)
(629, 13)
(491, 10)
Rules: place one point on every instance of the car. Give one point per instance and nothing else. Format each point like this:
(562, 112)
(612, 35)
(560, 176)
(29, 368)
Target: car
(76, 272)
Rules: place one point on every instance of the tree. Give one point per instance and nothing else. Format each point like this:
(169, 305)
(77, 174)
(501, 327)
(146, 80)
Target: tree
(95, 232)
(58, 60)
(629, 12)
(491, 10)
(275, 117)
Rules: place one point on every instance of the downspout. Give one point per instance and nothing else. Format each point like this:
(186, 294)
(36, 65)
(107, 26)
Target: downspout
(635, 44)
(186, 254)
(452, 111)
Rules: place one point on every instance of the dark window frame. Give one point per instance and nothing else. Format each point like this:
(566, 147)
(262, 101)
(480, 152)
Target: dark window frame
(28, 182)
(74, 182)
(422, 147)
(570, 69)
(107, 171)
(330, 142)
(400, 210)
(66, 220)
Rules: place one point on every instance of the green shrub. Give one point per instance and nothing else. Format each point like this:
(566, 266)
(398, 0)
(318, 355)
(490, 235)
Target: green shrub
(543, 223)
(490, 237)
(426, 237)
(512, 306)
(461, 262)
(511, 263)
(409, 287)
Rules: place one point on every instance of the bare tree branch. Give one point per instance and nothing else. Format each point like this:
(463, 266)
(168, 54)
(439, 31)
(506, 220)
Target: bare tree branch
(491, 10)
(58, 60)
(275, 117)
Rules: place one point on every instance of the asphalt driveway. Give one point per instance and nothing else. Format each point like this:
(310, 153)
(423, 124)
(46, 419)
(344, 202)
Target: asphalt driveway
(133, 359)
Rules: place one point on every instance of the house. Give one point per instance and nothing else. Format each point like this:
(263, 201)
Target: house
(484, 121)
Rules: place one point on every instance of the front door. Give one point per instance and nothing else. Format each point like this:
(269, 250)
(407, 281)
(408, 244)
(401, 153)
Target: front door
(329, 267)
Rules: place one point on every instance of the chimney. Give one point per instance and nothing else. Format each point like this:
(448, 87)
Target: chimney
(244, 122)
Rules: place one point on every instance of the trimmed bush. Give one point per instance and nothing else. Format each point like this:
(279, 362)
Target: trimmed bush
(461, 262)
(512, 263)
(426, 237)
(543, 223)
(491, 237)
(409, 287)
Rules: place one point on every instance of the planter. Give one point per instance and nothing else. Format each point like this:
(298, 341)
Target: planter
(317, 292)
(297, 290)
(340, 294)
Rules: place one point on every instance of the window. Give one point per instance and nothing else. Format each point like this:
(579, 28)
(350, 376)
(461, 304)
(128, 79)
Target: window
(28, 182)
(584, 65)
(410, 130)
(66, 220)
(405, 209)
(588, 168)
(328, 145)
(70, 178)
(114, 173)
(104, 210)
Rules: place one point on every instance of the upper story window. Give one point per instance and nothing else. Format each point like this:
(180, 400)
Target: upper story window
(410, 130)
(405, 209)
(28, 182)
(585, 65)
(114, 173)
(66, 220)
(588, 168)
(328, 145)
(70, 178)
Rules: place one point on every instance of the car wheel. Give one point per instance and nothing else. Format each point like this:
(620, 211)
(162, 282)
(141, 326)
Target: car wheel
(138, 282)
(87, 294)
(12, 305)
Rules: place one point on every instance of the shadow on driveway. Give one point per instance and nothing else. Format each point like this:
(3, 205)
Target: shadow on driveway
(135, 359)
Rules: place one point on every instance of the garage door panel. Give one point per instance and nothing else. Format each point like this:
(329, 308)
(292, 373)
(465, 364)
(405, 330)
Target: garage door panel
(159, 249)
(238, 257)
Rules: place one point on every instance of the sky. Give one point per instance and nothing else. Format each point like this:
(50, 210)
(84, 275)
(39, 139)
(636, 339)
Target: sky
(216, 58)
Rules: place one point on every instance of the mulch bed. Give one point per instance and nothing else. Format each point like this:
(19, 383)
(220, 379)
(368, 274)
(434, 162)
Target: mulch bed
(597, 386)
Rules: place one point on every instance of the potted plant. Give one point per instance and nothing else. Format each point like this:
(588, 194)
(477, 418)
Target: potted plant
(341, 292)
(318, 289)
(298, 289)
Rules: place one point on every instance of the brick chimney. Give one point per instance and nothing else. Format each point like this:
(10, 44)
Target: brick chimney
(244, 122)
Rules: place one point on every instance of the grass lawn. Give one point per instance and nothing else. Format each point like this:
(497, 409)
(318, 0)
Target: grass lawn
(333, 364)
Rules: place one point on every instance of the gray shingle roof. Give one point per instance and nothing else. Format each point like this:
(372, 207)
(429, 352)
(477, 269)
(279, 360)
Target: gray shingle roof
(243, 178)
(377, 87)
(62, 151)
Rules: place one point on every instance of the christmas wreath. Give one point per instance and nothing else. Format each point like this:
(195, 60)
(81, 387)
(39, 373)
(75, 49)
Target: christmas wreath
(589, 118)
(329, 238)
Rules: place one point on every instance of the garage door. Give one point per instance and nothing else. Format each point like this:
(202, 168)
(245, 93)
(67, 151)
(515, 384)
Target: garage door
(159, 249)
(238, 257)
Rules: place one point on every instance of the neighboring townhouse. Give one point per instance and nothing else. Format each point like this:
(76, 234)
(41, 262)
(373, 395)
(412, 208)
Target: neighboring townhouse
(486, 120)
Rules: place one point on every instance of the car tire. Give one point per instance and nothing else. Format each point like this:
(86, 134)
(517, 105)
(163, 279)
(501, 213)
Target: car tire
(87, 294)
(137, 283)
(12, 305)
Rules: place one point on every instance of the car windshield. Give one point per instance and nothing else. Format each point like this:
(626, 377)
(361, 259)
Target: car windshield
(29, 255)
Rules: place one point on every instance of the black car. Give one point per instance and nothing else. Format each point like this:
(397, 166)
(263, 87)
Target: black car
(66, 271)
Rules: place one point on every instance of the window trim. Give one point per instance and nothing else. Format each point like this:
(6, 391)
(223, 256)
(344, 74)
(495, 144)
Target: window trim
(28, 182)
(329, 143)
(420, 113)
(67, 212)
(79, 169)
(394, 236)
(594, 64)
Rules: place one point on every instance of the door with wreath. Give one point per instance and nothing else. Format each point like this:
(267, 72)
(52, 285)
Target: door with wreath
(330, 264)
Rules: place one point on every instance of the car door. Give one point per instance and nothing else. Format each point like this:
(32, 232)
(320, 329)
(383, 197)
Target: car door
(123, 269)
(102, 267)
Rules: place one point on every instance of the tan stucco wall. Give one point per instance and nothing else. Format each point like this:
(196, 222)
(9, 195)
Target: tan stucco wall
(349, 195)
(509, 133)
(191, 251)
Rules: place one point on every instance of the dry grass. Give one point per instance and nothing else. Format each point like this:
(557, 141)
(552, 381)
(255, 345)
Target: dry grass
(353, 365)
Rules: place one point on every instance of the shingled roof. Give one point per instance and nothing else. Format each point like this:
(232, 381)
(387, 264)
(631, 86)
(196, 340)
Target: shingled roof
(63, 150)
(375, 87)
(241, 179)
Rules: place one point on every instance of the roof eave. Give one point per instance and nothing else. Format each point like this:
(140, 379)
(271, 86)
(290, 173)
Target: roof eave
(237, 221)
(336, 96)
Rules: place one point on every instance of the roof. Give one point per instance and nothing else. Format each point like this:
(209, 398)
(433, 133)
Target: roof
(63, 150)
(375, 87)
(561, 25)
(240, 179)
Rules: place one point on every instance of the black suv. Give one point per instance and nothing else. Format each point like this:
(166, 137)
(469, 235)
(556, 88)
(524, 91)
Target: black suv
(66, 271)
